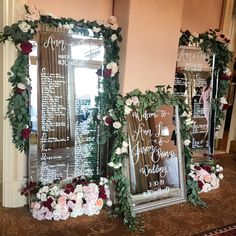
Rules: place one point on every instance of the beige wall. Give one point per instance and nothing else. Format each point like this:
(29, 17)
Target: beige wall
(201, 15)
(150, 41)
(77, 9)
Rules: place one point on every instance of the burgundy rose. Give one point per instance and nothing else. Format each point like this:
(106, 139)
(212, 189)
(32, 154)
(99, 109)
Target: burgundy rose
(106, 73)
(26, 47)
(20, 88)
(207, 168)
(226, 77)
(200, 184)
(25, 133)
(225, 107)
(48, 203)
(69, 188)
(102, 193)
(197, 167)
(108, 120)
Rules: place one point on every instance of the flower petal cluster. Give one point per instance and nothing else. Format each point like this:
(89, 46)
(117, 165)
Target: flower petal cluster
(207, 176)
(61, 201)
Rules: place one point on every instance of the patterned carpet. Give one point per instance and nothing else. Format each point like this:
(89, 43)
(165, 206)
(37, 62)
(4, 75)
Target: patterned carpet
(178, 220)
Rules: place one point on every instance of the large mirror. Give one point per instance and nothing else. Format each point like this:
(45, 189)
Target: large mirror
(155, 163)
(193, 82)
(64, 140)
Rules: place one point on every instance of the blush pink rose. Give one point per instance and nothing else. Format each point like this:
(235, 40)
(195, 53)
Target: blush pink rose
(99, 203)
(207, 178)
(62, 200)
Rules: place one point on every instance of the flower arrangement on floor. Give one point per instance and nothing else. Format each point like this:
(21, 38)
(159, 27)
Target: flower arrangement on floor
(60, 200)
(207, 176)
(213, 42)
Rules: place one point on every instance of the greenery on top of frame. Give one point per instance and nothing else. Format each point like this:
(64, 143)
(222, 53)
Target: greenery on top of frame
(22, 32)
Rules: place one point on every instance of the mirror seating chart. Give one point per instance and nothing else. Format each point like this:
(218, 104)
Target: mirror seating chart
(61, 143)
(155, 165)
(193, 83)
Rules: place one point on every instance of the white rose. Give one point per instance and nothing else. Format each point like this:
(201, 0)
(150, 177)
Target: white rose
(188, 121)
(128, 102)
(43, 197)
(135, 100)
(109, 202)
(113, 37)
(96, 29)
(21, 86)
(114, 27)
(116, 124)
(38, 195)
(117, 166)
(45, 189)
(111, 164)
(124, 150)
(201, 40)
(112, 20)
(105, 180)
(184, 114)
(227, 72)
(125, 144)
(127, 110)
(24, 26)
(210, 36)
(113, 67)
(187, 142)
(221, 176)
(118, 151)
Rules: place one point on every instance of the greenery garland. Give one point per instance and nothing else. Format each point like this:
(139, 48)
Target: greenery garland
(214, 42)
(111, 129)
(149, 100)
(21, 33)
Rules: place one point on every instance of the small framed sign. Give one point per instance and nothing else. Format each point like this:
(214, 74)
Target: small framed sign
(155, 165)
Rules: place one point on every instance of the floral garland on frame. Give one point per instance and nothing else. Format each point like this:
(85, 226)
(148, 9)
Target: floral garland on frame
(116, 118)
(214, 42)
(21, 33)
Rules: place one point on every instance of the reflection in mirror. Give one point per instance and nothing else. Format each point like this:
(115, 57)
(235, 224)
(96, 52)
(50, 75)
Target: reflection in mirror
(155, 158)
(62, 101)
(193, 82)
